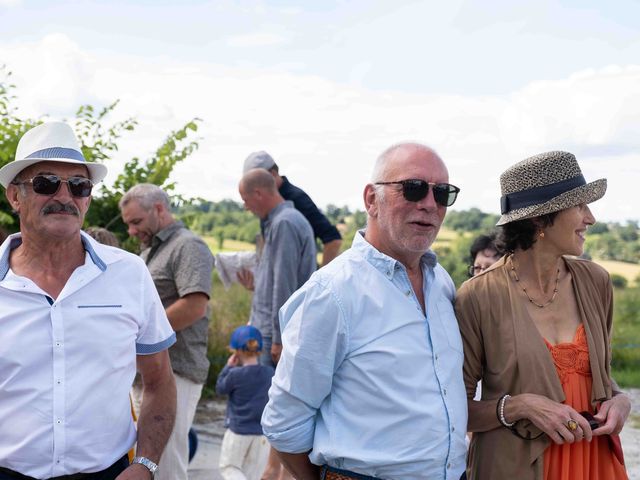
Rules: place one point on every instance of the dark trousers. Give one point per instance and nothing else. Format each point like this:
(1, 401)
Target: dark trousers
(108, 474)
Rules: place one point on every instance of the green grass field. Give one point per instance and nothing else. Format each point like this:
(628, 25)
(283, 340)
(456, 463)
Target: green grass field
(630, 271)
(228, 245)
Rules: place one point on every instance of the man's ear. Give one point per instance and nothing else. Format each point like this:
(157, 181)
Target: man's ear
(371, 200)
(13, 197)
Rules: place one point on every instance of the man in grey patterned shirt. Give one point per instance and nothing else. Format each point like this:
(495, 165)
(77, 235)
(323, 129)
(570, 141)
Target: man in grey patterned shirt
(288, 257)
(180, 264)
(287, 261)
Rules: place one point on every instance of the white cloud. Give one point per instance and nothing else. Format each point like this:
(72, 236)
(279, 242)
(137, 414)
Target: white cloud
(10, 3)
(255, 40)
(325, 136)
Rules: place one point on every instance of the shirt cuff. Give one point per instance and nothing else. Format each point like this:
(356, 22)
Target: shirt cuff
(298, 439)
(149, 349)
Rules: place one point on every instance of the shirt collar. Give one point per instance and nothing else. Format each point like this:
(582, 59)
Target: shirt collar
(385, 263)
(278, 208)
(15, 240)
(164, 234)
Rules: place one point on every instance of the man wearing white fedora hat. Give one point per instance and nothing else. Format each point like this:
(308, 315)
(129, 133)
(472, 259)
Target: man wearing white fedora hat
(76, 317)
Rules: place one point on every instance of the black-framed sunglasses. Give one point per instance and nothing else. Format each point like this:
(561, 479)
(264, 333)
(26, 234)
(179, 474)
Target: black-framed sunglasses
(50, 184)
(414, 190)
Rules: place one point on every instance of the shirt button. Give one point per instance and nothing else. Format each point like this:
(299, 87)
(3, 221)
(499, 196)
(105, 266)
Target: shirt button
(448, 465)
(453, 429)
(444, 391)
(408, 293)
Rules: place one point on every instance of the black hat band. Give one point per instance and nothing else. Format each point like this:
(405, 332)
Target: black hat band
(538, 195)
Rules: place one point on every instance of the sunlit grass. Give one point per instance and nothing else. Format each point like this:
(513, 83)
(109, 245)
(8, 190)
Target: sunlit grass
(228, 245)
(630, 271)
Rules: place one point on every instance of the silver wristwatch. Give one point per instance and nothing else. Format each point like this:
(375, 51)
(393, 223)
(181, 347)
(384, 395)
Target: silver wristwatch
(147, 463)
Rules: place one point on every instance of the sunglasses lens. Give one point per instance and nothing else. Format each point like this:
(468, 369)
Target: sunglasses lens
(46, 184)
(445, 194)
(80, 187)
(414, 190)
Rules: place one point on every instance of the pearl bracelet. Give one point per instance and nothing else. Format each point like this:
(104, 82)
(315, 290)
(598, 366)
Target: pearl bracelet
(500, 411)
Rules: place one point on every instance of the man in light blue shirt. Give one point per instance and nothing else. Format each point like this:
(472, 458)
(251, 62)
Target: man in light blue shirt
(370, 378)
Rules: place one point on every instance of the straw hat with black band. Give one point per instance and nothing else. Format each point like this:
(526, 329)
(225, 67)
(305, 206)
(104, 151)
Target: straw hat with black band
(545, 183)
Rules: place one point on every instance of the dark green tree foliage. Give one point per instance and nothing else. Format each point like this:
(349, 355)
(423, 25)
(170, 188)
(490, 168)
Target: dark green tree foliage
(470, 220)
(11, 129)
(616, 242)
(454, 257)
(224, 220)
(618, 281)
(99, 142)
(104, 211)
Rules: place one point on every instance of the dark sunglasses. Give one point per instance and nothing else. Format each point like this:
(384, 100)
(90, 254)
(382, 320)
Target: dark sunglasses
(50, 184)
(414, 190)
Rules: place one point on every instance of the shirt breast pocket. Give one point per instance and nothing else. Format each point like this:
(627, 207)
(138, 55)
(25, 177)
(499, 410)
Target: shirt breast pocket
(447, 319)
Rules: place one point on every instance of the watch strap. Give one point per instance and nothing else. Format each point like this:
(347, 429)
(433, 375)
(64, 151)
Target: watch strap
(150, 465)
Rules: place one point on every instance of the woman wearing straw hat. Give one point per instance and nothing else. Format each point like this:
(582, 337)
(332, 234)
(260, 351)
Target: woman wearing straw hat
(536, 329)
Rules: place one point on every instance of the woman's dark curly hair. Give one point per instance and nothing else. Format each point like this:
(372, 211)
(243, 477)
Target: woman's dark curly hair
(522, 233)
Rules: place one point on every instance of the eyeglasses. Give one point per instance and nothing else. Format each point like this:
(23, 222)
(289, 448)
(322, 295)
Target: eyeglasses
(475, 269)
(414, 190)
(50, 184)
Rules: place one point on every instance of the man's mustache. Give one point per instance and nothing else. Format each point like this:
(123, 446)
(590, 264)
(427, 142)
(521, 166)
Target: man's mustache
(61, 208)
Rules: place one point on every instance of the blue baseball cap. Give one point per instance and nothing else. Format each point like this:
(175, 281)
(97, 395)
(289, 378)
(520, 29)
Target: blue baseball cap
(242, 335)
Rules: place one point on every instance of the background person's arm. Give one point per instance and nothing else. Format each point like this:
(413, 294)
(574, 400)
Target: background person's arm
(185, 311)
(330, 250)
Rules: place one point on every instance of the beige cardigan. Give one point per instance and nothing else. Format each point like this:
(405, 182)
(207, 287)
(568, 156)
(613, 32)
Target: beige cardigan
(503, 347)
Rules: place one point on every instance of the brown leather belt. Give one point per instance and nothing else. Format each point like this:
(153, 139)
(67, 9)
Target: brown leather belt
(331, 473)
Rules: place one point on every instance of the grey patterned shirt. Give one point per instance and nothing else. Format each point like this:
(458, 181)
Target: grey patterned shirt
(288, 260)
(181, 263)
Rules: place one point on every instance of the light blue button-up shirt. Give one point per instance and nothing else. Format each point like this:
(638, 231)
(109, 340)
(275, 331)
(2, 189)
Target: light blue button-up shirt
(366, 381)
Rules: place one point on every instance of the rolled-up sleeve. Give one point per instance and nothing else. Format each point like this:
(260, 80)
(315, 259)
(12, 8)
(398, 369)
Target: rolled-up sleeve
(315, 339)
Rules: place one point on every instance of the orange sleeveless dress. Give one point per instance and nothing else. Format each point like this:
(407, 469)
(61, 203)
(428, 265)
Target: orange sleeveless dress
(582, 460)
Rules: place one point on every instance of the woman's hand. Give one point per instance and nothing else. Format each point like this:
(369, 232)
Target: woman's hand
(612, 414)
(551, 417)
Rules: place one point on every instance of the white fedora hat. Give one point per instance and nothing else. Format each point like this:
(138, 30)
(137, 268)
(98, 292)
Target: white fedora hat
(49, 142)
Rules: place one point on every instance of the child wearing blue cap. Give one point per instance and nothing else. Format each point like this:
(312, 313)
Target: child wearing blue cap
(244, 450)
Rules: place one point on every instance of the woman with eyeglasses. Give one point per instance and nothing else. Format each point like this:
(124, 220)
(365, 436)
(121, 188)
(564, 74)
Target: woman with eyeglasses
(483, 253)
(536, 330)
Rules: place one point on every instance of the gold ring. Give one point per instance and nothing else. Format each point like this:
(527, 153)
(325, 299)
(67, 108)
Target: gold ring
(572, 425)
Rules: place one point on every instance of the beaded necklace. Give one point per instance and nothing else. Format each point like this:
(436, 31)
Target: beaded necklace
(539, 305)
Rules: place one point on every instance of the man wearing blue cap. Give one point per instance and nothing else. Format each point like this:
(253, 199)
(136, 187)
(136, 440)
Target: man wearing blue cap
(76, 317)
(244, 449)
(322, 228)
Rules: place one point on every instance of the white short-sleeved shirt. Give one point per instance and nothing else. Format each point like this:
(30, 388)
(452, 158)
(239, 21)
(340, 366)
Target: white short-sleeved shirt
(67, 364)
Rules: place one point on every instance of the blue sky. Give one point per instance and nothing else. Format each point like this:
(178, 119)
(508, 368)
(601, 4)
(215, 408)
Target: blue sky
(325, 86)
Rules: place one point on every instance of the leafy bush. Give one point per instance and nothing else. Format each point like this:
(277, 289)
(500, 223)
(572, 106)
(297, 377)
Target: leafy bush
(618, 281)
